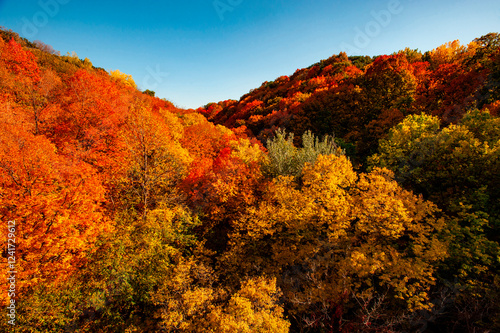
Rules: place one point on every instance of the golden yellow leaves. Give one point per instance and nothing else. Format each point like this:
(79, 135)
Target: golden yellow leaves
(157, 161)
(363, 265)
(377, 200)
(187, 305)
(253, 308)
(123, 78)
(452, 52)
(340, 232)
(247, 151)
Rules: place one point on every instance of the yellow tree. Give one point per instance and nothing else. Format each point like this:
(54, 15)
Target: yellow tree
(340, 241)
(157, 159)
(253, 308)
(452, 52)
(189, 301)
(122, 78)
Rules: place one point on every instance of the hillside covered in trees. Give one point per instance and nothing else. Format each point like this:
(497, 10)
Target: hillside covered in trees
(357, 195)
(359, 98)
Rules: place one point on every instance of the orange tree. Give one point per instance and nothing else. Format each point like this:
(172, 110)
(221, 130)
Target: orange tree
(57, 203)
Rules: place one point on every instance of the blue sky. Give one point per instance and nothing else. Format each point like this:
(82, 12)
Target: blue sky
(195, 52)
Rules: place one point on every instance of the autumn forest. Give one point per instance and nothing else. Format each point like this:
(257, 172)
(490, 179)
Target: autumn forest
(360, 194)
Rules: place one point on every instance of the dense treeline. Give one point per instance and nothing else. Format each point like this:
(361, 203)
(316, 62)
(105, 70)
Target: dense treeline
(381, 213)
(358, 99)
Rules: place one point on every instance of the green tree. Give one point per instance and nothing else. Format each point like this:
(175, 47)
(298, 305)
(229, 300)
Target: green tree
(287, 160)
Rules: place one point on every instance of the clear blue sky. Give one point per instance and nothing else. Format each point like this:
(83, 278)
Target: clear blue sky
(195, 52)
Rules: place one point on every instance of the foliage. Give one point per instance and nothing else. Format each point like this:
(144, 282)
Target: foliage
(133, 215)
(340, 238)
(457, 168)
(123, 78)
(55, 202)
(360, 98)
(286, 160)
